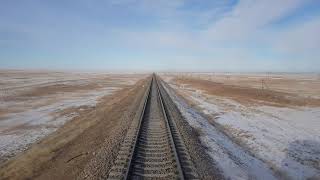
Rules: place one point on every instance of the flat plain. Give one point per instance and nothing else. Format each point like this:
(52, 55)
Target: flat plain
(254, 123)
(36, 103)
(71, 125)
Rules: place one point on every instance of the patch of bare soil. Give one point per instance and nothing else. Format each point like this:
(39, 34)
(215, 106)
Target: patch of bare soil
(249, 95)
(3, 113)
(52, 89)
(58, 88)
(16, 130)
(85, 147)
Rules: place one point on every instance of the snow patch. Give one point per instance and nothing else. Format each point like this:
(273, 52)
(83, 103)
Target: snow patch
(233, 160)
(39, 122)
(287, 139)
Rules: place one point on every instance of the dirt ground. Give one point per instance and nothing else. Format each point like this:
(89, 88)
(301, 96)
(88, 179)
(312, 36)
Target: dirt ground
(275, 126)
(302, 84)
(34, 104)
(82, 148)
(280, 92)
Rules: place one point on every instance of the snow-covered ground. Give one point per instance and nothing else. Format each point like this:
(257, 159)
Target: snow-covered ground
(28, 119)
(255, 142)
(18, 130)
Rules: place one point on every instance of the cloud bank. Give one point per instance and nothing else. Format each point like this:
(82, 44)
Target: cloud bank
(231, 35)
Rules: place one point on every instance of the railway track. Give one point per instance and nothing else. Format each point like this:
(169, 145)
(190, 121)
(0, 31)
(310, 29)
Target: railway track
(153, 148)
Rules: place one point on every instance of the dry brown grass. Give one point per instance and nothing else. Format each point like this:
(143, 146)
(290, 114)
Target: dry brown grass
(93, 136)
(3, 113)
(59, 88)
(250, 95)
(51, 90)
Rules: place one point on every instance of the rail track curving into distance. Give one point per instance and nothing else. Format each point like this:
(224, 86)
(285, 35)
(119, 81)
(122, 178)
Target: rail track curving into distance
(153, 148)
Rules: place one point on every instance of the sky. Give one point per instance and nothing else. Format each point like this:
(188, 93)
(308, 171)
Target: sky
(161, 35)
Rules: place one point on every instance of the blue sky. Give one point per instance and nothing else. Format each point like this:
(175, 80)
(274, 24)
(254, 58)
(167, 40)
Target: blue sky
(161, 35)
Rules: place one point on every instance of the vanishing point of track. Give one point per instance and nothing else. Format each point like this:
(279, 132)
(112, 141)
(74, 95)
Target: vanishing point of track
(153, 147)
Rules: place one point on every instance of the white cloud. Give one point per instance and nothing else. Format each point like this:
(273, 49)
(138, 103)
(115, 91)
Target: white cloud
(249, 16)
(218, 35)
(302, 38)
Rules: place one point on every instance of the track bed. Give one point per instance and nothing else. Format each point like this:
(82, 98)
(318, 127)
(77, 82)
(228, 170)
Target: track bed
(153, 148)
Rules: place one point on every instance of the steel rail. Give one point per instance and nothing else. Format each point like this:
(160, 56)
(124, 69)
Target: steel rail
(126, 177)
(127, 162)
(181, 175)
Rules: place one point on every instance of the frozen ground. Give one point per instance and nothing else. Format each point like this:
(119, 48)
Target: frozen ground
(252, 141)
(34, 104)
(300, 84)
